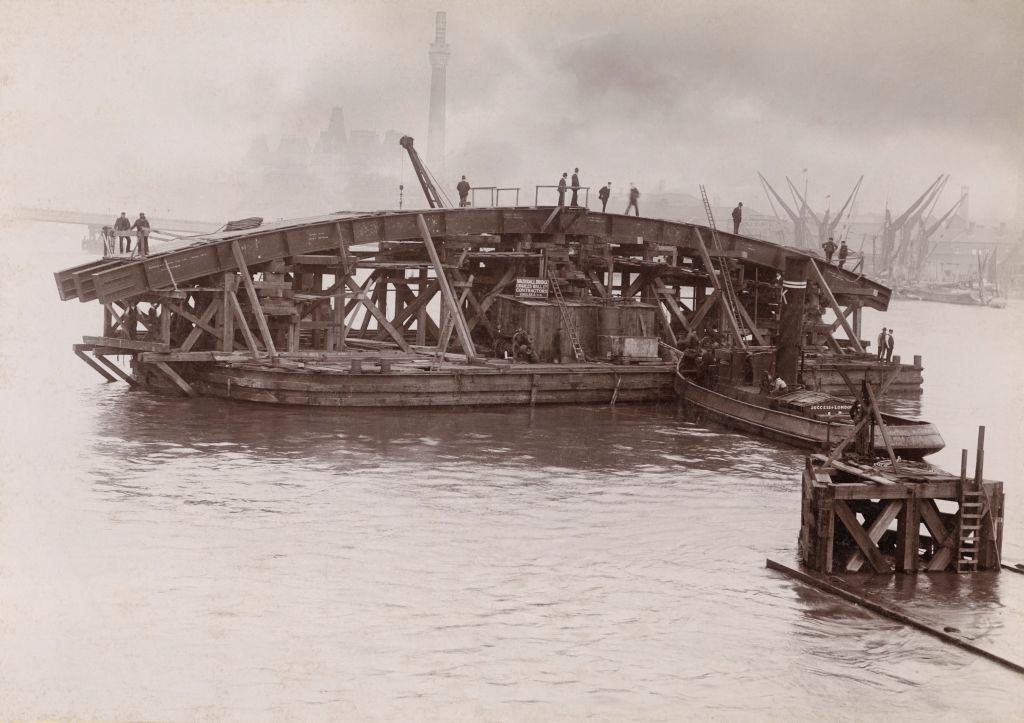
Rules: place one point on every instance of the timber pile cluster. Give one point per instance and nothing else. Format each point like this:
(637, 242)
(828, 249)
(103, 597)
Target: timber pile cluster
(433, 290)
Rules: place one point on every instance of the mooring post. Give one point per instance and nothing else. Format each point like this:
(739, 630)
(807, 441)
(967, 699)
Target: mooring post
(979, 458)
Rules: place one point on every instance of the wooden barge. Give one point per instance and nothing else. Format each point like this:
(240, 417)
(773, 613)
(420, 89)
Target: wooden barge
(806, 419)
(518, 305)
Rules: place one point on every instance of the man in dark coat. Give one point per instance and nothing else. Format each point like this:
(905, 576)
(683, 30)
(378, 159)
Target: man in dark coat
(561, 189)
(603, 194)
(463, 189)
(844, 251)
(124, 225)
(889, 344)
(882, 344)
(829, 248)
(142, 226)
(634, 199)
(575, 187)
(737, 216)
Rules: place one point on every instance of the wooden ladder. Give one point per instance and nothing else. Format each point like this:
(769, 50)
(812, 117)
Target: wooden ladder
(970, 526)
(574, 337)
(729, 292)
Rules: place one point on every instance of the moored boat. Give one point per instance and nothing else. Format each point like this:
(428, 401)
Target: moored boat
(803, 418)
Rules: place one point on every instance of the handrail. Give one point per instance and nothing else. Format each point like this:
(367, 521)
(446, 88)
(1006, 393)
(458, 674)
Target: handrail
(585, 189)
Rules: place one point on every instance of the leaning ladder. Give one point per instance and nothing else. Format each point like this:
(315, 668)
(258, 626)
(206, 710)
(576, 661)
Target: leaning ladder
(731, 301)
(574, 337)
(970, 526)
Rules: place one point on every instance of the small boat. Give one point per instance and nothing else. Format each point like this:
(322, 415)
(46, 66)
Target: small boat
(803, 418)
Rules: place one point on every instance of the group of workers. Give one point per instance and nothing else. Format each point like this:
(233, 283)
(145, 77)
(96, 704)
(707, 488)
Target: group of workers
(566, 184)
(122, 229)
(885, 345)
(830, 248)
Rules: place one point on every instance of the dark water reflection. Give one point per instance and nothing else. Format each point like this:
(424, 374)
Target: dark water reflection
(180, 559)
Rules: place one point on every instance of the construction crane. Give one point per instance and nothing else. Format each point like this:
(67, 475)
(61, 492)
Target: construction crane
(426, 179)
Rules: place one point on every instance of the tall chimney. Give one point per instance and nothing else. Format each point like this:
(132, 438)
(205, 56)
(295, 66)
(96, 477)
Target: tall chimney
(439, 54)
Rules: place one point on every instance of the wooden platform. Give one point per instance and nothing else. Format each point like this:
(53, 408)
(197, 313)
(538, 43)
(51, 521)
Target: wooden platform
(847, 509)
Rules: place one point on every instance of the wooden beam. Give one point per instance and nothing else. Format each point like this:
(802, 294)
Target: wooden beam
(254, 300)
(243, 325)
(880, 423)
(173, 376)
(227, 317)
(492, 295)
(665, 294)
(131, 344)
(869, 548)
(835, 307)
(117, 370)
(446, 291)
(908, 536)
(92, 362)
(875, 531)
(554, 212)
(750, 324)
(377, 314)
(709, 303)
(201, 325)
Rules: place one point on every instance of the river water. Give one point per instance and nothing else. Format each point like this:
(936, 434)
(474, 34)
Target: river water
(165, 558)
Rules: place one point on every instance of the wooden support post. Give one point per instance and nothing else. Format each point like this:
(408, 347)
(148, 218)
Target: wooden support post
(945, 540)
(791, 321)
(201, 325)
(174, 377)
(254, 300)
(823, 286)
(907, 536)
(880, 423)
(165, 324)
(421, 312)
(227, 317)
(446, 292)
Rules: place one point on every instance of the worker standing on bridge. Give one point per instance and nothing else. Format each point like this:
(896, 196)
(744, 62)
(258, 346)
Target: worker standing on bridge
(889, 344)
(463, 189)
(142, 226)
(122, 224)
(634, 199)
(843, 253)
(561, 189)
(575, 187)
(881, 344)
(603, 194)
(737, 217)
(830, 248)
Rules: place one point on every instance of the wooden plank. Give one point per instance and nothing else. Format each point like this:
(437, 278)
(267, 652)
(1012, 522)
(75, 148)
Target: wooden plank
(907, 536)
(175, 378)
(880, 424)
(894, 614)
(227, 317)
(869, 548)
(131, 344)
(254, 300)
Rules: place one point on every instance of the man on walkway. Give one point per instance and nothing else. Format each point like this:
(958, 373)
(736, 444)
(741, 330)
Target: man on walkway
(463, 189)
(889, 344)
(737, 216)
(882, 344)
(142, 226)
(603, 194)
(844, 251)
(575, 187)
(561, 189)
(634, 199)
(121, 226)
(829, 248)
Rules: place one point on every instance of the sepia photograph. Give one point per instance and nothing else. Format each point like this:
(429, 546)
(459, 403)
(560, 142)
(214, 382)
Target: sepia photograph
(510, 360)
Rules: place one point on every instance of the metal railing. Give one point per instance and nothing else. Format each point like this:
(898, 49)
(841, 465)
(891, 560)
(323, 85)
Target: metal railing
(494, 192)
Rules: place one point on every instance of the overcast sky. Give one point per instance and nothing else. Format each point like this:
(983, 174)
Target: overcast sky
(99, 96)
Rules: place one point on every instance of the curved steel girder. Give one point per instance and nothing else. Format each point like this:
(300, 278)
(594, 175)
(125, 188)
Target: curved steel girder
(212, 254)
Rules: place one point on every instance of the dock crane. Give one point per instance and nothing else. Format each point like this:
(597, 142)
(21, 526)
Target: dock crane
(423, 175)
